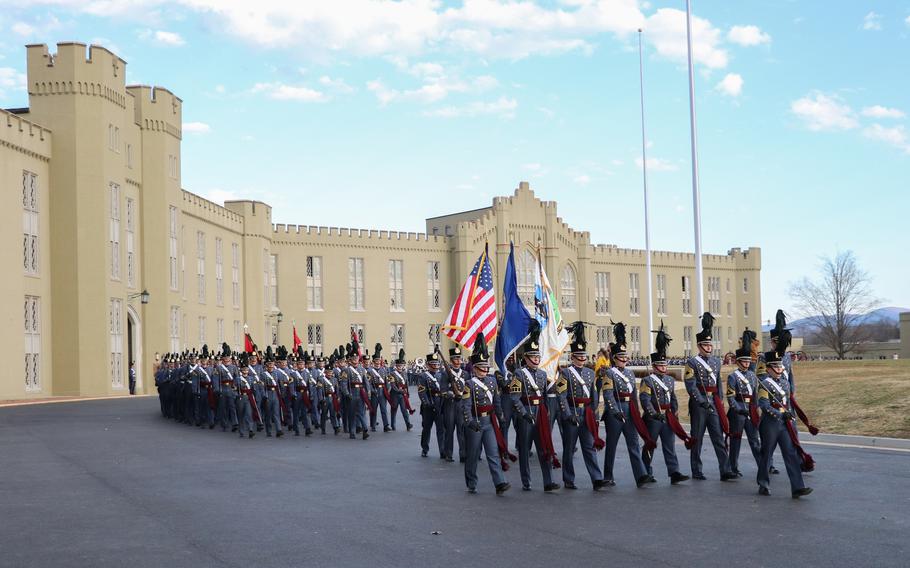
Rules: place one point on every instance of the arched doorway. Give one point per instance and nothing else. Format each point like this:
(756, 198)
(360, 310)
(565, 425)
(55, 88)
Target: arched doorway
(134, 345)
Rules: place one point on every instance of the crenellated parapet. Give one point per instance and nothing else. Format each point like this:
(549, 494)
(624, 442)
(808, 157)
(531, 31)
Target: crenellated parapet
(24, 136)
(158, 110)
(312, 235)
(210, 211)
(736, 259)
(73, 70)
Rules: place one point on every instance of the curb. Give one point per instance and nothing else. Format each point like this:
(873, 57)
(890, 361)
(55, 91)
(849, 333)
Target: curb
(61, 400)
(849, 440)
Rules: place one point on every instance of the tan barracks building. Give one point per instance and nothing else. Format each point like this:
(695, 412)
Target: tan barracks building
(91, 173)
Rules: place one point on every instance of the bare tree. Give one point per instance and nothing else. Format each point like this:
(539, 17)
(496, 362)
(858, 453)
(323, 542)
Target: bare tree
(835, 306)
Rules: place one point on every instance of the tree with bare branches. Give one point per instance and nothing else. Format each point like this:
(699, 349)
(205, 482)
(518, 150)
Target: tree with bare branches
(835, 306)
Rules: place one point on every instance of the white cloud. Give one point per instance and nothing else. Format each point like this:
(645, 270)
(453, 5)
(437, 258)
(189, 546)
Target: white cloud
(196, 128)
(731, 85)
(582, 179)
(503, 107)
(549, 113)
(438, 84)
(220, 89)
(532, 167)
(162, 37)
(872, 22)
(666, 29)
(337, 85)
(878, 111)
(821, 112)
(747, 36)
(23, 29)
(907, 21)
(282, 92)
(895, 136)
(658, 165)
(11, 80)
(219, 196)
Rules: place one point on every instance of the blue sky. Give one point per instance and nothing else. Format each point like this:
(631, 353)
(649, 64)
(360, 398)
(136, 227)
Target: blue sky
(379, 114)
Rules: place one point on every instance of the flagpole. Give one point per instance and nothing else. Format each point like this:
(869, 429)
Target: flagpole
(644, 176)
(696, 196)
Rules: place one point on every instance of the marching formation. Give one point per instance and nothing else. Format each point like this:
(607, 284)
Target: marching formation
(469, 404)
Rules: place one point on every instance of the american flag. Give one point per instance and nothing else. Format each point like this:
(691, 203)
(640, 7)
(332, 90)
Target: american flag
(475, 307)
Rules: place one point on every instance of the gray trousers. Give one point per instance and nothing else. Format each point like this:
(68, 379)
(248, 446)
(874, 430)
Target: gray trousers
(661, 432)
(449, 410)
(701, 420)
(431, 416)
(380, 406)
(738, 425)
(244, 415)
(484, 440)
(773, 433)
(227, 410)
(615, 429)
(528, 434)
(271, 412)
(572, 435)
(398, 400)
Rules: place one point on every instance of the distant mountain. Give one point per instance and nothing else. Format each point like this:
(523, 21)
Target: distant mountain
(802, 326)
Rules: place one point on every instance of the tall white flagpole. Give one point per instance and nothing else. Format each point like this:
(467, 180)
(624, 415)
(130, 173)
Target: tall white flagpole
(644, 176)
(696, 196)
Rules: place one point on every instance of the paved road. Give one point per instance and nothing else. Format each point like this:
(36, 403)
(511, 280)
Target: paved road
(111, 483)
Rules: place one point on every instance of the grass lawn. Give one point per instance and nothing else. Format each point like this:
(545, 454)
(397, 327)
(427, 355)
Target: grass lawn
(867, 398)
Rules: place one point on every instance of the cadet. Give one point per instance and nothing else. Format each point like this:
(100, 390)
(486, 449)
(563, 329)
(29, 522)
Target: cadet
(328, 390)
(246, 409)
(455, 377)
(429, 389)
(527, 390)
(398, 387)
(741, 399)
(776, 428)
(271, 408)
(341, 380)
(286, 389)
(223, 378)
(299, 391)
(258, 388)
(379, 396)
(317, 389)
(357, 395)
(578, 400)
(451, 402)
(657, 394)
(621, 417)
(481, 409)
(705, 407)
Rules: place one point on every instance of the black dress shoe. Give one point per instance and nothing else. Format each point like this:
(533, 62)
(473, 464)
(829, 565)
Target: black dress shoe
(569, 485)
(801, 492)
(549, 487)
(268, 435)
(471, 490)
(764, 491)
(773, 470)
(353, 437)
(502, 488)
(641, 481)
(279, 434)
(309, 433)
(651, 479)
(450, 460)
(609, 483)
(699, 476)
(678, 478)
(366, 434)
(423, 454)
(462, 460)
(737, 473)
(525, 487)
(387, 429)
(252, 434)
(728, 477)
(409, 427)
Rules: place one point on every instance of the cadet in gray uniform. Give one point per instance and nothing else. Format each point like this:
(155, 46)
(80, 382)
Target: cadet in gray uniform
(621, 411)
(456, 377)
(451, 402)
(377, 374)
(705, 409)
(527, 390)
(223, 377)
(742, 402)
(429, 389)
(398, 387)
(258, 388)
(578, 401)
(774, 401)
(657, 394)
(245, 400)
(271, 405)
(355, 387)
(299, 389)
(481, 409)
(285, 390)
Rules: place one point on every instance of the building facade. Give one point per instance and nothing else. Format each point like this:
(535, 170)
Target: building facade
(92, 166)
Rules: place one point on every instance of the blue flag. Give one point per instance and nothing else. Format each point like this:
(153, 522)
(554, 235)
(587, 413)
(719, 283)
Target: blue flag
(516, 321)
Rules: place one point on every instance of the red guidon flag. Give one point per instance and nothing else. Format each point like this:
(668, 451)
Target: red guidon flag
(475, 307)
(247, 341)
(297, 342)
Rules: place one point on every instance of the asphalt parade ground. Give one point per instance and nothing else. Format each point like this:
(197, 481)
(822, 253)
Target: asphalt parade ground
(112, 483)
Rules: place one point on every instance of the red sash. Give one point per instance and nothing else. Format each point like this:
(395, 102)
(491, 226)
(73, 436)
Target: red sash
(546, 436)
(802, 416)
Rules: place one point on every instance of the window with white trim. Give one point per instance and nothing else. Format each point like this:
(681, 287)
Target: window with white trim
(172, 248)
(200, 266)
(219, 329)
(661, 294)
(396, 339)
(433, 303)
(633, 295)
(130, 242)
(314, 337)
(745, 309)
(717, 340)
(358, 330)
(687, 341)
(635, 343)
(525, 275)
(396, 285)
(235, 274)
(686, 296)
(237, 343)
(355, 283)
(273, 280)
(714, 295)
(567, 296)
(183, 247)
(115, 231)
(175, 329)
(603, 335)
(201, 322)
(314, 282)
(30, 222)
(219, 273)
(129, 156)
(266, 299)
(602, 293)
(172, 166)
(433, 334)
(745, 285)
(116, 329)
(32, 318)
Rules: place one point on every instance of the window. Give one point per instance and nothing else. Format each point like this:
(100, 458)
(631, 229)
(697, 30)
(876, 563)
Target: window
(273, 280)
(183, 264)
(433, 335)
(728, 285)
(714, 295)
(355, 283)
(687, 341)
(729, 309)
(202, 340)
(30, 222)
(602, 293)
(113, 138)
(635, 340)
(525, 277)
(235, 274)
(200, 265)
(745, 284)
(746, 309)
(314, 337)
(32, 317)
(729, 335)
(358, 330)
(175, 329)
(567, 288)
(172, 166)
(396, 339)
(130, 242)
(116, 327)
(661, 294)
(115, 231)
(237, 343)
(604, 335)
(266, 300)
(633, 295)
(433, 286)
(396, 285)
(686, 296)
(186, 332)
(172, 250)
(129, 156)
(717, 340)
(219, 330)
(314, 282)
(219, 275)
